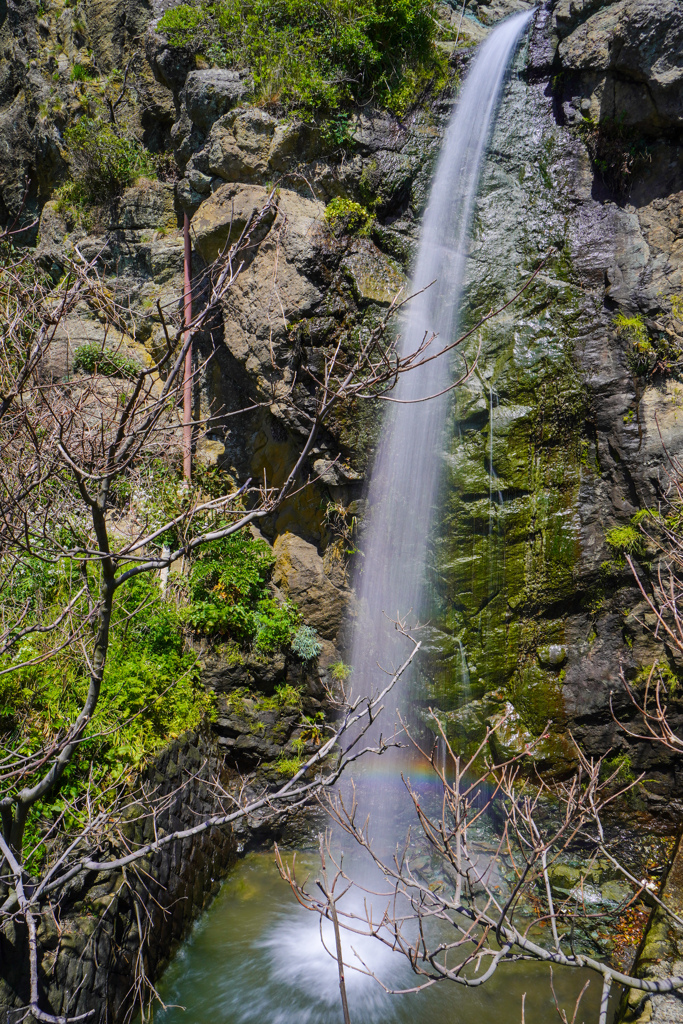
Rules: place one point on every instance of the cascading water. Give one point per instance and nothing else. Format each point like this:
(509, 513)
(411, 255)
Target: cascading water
(407, 467)
(257, 956)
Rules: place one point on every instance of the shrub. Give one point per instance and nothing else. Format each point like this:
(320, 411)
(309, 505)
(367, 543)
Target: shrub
(82, 72)
(318, 56)
(229, 595)
(104, 161)
(306, 643)
(151, 690)
(345, 216)
(340, 672)
(92, 358)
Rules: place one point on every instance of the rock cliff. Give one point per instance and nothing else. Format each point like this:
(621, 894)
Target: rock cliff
(558, 437)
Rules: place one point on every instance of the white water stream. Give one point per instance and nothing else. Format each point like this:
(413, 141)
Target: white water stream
(405, 476)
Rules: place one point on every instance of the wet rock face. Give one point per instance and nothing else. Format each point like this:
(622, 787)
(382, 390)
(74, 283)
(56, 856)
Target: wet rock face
(556, 438)
(625, 60)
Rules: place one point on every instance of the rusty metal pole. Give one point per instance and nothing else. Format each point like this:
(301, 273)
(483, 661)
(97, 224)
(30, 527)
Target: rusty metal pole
(187, 382)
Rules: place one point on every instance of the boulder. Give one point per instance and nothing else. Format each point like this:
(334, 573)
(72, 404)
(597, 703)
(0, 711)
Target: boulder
(239, 144)
(300, 574)
(221, 219)
(211, 93)
(553, 655)
(495, 10)
(278, 288)
(373, 276)
(170, 64)
(630, 58)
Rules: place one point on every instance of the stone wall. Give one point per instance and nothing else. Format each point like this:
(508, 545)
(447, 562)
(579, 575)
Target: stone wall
(90, 947)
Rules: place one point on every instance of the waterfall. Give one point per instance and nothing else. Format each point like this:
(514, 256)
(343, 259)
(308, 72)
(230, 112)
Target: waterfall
(405, 475)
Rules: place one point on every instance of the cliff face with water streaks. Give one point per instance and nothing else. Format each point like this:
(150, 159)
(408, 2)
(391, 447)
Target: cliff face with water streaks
(559, 435)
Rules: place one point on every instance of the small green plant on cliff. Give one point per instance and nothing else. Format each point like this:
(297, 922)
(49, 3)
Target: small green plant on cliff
(320, 56)
(336, 131)
(105, 160)
(346, 217)
(306, 644)
(313, 728)
(641, 354)
(93, 358)
(82, 73)
(286, 697)
(620, 766)
(661, 674)
(647, 353)
(288, 766)
(229, 595)
(339, 671)
(625, 540)
(643, 515)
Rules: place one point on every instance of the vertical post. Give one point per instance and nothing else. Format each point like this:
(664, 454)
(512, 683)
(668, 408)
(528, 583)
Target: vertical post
(340, 959)
(187, 381)
(337, 932)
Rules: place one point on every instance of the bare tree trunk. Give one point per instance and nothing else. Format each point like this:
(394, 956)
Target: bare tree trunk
(337, 936)
(340, 962)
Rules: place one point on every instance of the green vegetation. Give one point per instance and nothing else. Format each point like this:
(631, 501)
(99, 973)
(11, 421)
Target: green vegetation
(93, 358)
(241, 700)
(151, 690)
(337, 131)
(313, 728)
(317, 56)
(641, 353)
(643, 515)
(104, 162)
(346, 217)
(82, 73)
(306, 644)
(340, 672)
(625, 540)
(229, 595)
(288, 766)
(620, 767)
(647, 352)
